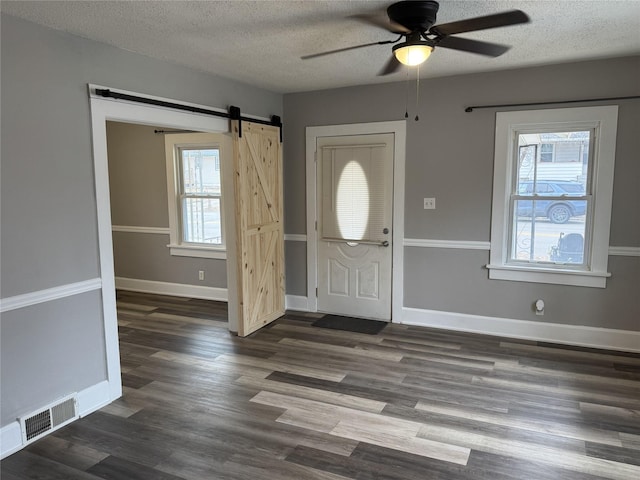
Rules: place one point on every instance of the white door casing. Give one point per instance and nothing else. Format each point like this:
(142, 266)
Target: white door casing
(354, 235)
(313, 136)
(103, 110)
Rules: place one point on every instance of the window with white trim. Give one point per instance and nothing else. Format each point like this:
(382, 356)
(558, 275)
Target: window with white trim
(552, 191)
(195, 195)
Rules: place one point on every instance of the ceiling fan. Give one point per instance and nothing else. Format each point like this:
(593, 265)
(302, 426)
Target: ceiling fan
(414, 22)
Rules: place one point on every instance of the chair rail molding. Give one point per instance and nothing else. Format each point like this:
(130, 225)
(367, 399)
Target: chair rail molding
(620, 251)
(49, 294)
(138, 229)
(432, 243)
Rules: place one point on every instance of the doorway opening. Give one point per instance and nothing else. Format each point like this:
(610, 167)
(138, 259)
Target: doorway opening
(102, 111)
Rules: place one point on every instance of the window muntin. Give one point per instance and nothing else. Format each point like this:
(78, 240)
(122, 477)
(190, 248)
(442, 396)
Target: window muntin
(546, 152)
(200, 196)
(550, 202)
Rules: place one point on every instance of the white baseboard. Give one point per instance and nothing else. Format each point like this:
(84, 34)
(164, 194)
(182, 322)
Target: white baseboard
(10, 439)
(296, 302)
(174, 289)
(89, 400)
(94, 398)
(624, 340)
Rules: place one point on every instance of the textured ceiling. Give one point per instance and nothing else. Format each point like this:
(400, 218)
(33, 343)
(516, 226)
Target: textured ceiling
(260, 42)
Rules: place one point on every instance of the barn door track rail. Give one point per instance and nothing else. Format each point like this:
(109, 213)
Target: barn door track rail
(233, 113)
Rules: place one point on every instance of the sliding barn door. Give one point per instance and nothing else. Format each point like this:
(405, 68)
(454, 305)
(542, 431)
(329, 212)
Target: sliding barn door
(259, 227)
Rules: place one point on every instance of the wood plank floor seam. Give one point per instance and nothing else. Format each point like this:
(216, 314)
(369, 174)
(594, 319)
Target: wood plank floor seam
(297, 402)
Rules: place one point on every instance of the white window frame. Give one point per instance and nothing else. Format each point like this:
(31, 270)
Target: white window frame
(603, 120)
(177, 245)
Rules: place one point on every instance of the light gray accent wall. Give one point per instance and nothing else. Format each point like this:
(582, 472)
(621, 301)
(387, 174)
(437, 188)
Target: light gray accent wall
(145, 256)
(450, 157)
(48, 206)
(138, 190)
(137, 175)
(454, 280)
(49, 232)
(625, 216)
(295, 254)
(41, 362)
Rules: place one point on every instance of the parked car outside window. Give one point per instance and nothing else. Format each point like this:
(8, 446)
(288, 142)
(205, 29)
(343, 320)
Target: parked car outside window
(556, 210)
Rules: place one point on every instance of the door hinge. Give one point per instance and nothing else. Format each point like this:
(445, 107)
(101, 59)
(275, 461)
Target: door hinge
(316, 292)
(316, 227)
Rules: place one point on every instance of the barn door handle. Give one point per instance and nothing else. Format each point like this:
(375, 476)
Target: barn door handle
(385, 243)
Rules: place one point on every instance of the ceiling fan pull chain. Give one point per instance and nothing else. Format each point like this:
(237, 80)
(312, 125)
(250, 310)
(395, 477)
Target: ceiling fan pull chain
(406, 100)
(417, 92)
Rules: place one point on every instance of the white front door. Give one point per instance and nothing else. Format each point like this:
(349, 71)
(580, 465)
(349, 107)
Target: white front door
(354, 233)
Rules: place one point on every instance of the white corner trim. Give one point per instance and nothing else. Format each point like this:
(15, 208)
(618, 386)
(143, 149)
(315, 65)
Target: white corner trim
(624, 340)
(295, 237)
(89, 400)
(462, 244)
(49, 294)
(296, 302)
(625, 251)
(175, 289)
(136, 229)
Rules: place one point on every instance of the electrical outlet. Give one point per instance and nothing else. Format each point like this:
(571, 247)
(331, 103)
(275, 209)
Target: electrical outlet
(429, 203)
(201, 275)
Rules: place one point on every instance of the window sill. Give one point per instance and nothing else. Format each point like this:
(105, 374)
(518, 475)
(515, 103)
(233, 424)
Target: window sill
(578, 278)
(197, 251)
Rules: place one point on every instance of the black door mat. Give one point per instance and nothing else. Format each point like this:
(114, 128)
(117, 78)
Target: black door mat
(350, 324)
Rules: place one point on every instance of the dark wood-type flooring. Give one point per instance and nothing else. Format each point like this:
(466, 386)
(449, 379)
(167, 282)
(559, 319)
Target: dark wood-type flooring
(299, 402)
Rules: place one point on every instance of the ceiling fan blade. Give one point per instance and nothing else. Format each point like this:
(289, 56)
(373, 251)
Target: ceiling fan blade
(392, 66)
(346, 49)
(504, 19)
(473, 46)
(382, 21)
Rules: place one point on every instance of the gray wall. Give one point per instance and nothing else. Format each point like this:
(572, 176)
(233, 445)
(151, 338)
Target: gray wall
(49, 226)
(138, 189)
(48, 351)
(447, 141)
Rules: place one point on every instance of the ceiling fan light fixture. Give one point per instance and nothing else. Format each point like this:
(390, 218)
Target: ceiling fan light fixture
(412, 54)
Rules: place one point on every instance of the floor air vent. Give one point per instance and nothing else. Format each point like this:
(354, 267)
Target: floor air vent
(48, 419)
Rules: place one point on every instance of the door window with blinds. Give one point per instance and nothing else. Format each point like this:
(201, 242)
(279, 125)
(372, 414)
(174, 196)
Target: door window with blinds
(353, 193)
